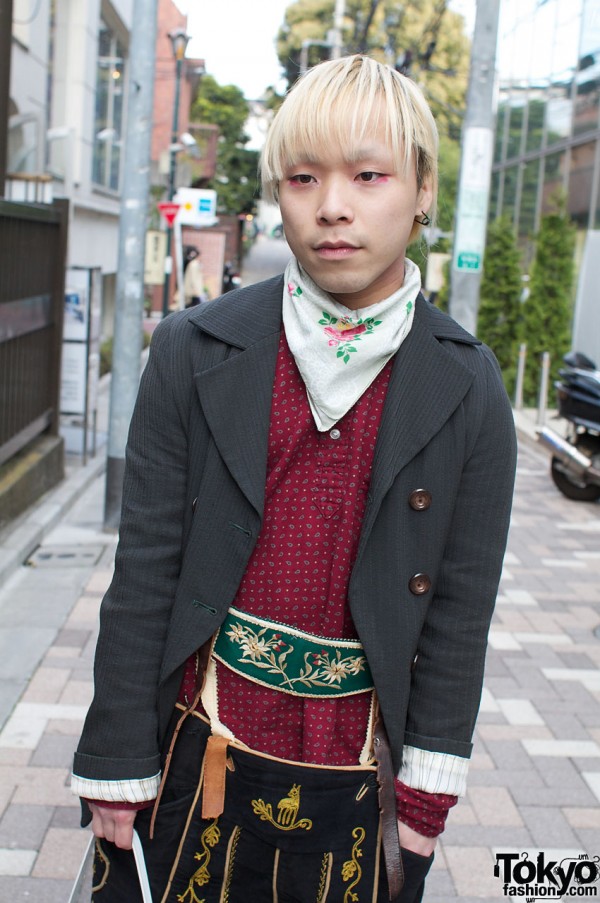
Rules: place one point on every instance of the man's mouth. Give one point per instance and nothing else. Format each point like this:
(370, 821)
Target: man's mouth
(335, 250)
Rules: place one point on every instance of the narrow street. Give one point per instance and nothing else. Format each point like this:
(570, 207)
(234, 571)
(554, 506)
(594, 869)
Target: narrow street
(267, 257)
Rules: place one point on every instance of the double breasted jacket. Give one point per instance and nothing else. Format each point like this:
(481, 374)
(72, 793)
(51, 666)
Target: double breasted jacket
(424, 583)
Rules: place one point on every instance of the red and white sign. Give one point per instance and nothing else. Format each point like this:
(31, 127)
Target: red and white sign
(168, 211)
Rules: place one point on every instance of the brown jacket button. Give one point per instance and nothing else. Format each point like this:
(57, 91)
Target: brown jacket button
(420, 499)
(419, 584)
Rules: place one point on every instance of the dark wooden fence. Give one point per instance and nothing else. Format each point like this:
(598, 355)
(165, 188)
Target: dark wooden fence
(33, 241)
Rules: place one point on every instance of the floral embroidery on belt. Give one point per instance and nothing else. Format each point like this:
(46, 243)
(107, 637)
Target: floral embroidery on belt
(290, 660)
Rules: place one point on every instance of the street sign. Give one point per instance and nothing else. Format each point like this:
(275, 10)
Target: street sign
(468, 260)
(198, 207)
(471, 223)
(154, 259)
(168, 211)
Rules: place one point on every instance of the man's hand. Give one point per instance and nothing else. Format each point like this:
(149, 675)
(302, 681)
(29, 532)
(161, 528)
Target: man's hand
(417, 843)
(115, 825)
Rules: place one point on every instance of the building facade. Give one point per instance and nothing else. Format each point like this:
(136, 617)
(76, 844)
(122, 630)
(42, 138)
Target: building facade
(548, 128)
(548, 136)
(67, 117)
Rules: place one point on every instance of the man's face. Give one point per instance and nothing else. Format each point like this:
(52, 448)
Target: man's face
(348, 223)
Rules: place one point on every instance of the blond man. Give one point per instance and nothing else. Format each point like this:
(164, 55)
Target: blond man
(316, 502)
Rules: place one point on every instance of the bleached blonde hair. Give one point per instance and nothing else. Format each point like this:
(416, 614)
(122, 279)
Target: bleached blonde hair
(341, 102)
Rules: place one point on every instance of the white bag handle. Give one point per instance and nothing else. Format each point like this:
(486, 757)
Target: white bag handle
(141, 867)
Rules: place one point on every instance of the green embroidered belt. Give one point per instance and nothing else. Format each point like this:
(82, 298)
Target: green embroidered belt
(290, 660)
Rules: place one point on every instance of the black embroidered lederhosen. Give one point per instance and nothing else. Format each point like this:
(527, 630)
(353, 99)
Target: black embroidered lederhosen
(289, 833)
(233, 825)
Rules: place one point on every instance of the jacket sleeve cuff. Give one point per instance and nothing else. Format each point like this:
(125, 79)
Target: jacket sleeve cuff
(125, 791)
(434, 772)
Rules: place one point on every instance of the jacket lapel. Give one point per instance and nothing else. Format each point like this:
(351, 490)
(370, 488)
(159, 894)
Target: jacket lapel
(426, 385)
(236, 393)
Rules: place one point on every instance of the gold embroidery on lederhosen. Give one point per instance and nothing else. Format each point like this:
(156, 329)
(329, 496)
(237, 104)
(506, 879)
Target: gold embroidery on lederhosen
(209, 838)
(351, 868)
(325, 877)
(229, 861)
(101, 855)
(287, 810)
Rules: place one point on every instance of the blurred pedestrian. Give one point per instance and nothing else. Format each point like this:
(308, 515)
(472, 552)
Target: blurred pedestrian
(316, 503)
(193, 277)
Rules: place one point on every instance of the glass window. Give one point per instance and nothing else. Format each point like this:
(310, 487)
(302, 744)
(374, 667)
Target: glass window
(581, 179)
(590, 29)
(536, 113)
(494, 188)
(566, 41)
(554, 170)
(587, 98)
(108, 122)
(501, 124)
(515, 127)
(541, 49)
(510, 191)
(558, 112)
(506, 40)
(529, 191)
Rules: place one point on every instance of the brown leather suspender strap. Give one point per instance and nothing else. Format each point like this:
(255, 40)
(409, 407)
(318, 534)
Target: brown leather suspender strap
(387, 806)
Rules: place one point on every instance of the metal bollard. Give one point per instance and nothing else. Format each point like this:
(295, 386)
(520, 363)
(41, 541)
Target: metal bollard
(543, 396)
(520, 376)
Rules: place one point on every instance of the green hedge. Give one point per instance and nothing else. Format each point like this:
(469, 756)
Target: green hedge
(106, 352)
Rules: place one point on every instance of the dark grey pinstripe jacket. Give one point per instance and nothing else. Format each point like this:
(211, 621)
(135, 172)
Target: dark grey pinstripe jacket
(200, 430)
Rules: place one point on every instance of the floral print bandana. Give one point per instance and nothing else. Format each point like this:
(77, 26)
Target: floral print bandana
(338, 351)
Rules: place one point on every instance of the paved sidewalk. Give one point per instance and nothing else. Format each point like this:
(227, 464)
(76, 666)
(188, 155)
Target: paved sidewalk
(535, 776)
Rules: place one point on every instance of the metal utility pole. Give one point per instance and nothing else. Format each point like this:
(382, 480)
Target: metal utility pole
(6, 7)
(333, 40)
(179, 40)
(475, 169)
(127, 345)
(336, 35)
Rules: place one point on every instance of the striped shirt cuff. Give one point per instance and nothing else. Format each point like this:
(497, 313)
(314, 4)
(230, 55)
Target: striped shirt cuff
(434, 772)
(132, 791)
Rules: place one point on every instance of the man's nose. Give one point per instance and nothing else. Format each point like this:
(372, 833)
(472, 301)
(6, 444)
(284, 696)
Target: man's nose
(334, 203)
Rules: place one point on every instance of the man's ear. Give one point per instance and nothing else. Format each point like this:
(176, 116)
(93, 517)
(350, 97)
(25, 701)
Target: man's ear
(424, 198)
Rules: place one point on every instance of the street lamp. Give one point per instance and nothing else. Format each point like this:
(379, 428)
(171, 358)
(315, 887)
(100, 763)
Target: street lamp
(179, 42)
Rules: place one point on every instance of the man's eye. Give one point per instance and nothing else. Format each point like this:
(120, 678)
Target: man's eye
(369, 176)
(301, 178)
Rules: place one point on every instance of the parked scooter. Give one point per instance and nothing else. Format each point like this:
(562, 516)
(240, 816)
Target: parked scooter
(575, 467)
(231, 279)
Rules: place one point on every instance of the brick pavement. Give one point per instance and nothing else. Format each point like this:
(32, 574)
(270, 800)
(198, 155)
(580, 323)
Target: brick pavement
(535, 775)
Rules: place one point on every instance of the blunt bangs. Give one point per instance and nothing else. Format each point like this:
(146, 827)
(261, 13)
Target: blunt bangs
(343, 102)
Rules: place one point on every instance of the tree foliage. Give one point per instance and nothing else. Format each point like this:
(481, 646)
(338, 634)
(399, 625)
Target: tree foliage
(235, 179)
(547, 312)
(222, 105)
(499, 319)
(423, 38)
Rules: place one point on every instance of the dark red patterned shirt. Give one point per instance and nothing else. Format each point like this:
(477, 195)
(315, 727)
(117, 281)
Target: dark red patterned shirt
(316, 492)
(298, 575)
